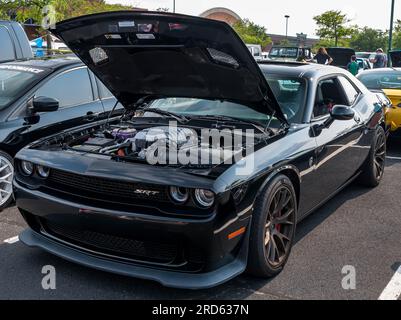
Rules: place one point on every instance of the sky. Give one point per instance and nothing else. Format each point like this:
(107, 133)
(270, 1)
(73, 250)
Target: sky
(271, 13)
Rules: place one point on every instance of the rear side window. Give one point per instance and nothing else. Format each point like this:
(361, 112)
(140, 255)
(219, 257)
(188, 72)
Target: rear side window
(71, 88)
(349, 90)
(7, 52)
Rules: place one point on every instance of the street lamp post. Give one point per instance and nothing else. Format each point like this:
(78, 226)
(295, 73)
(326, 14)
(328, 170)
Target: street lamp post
(390, 38)
(286, 26)
(174, 6)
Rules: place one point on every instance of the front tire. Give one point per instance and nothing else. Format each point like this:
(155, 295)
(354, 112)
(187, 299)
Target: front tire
(6, 180)
(273, 228)
(373, 170)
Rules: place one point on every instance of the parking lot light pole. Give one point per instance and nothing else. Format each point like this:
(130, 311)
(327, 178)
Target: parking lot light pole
(390, 38)
(286, 26)
(174, 6)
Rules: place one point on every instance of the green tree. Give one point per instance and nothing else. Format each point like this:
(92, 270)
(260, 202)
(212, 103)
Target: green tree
(252, 33)
(332, 26)
(285, 43)
(368, 39)
(397, 35)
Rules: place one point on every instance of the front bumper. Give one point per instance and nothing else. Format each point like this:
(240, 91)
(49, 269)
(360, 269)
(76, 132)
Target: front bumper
(166, 278)
(224, 259)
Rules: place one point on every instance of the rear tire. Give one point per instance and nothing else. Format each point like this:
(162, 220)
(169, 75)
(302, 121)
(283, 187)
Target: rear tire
(373, 170)
(273, 228)
(6, 180)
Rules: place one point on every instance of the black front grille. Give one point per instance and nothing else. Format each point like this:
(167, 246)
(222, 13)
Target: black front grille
(103, 189)
(117, 246)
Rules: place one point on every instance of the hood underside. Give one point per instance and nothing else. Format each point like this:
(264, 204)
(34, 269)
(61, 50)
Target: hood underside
(146, 54)
(341, 56)
(396, 58)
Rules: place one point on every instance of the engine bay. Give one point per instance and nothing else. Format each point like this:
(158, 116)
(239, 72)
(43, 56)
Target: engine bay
(133, 142)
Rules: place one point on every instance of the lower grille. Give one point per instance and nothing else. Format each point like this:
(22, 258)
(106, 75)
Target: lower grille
(109, 244)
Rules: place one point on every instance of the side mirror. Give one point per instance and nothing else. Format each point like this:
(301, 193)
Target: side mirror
(44, 104)
(339, 112)
(342, 113)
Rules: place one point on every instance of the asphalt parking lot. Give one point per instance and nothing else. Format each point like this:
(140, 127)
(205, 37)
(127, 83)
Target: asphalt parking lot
(359, 228)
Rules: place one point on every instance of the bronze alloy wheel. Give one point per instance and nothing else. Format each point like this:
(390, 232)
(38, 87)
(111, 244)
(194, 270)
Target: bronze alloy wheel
(279, 227)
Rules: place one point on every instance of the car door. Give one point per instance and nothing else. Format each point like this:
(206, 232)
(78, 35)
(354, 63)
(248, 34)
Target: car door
(79, 104)
(339, 153)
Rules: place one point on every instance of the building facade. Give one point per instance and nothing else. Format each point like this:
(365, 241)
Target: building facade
(221, 14)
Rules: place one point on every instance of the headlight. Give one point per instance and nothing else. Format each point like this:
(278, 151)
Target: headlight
(179, 195)
(43, 171)
(27, 167)
(205, 198)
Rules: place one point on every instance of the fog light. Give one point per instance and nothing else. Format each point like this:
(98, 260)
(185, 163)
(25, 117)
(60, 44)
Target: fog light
(27, 167)
(43, 172)
(205, 198)
(179, 195)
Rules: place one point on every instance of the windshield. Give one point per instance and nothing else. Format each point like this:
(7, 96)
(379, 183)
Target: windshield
(290, 94)
(14, 82)
(284, 53)
(381, 80)
(193, 108)
(367, 55)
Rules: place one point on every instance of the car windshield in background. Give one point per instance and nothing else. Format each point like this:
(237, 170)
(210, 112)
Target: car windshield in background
(284, 53)
(193, 108)
(14, 81)
(290, 94)
(381, 80)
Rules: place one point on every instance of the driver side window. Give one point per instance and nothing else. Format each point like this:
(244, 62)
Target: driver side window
(328, 94)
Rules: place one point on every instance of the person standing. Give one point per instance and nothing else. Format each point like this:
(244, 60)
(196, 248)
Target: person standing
(380, 60)
(322, 57)
(353, 66)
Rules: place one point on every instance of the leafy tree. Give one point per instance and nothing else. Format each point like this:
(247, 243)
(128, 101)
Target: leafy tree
(397, 36)
(163, 9)
(252, 33)
(24, 9)
(332, 25)
(368, 39)
(285, 43)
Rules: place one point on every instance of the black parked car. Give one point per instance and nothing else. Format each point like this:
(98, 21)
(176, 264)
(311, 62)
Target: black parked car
(29, 90)
(91, 195)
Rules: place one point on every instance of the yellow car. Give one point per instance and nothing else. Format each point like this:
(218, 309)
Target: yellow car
(387, 80)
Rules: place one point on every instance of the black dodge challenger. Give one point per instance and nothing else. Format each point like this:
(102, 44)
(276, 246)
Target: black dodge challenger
(91, 195)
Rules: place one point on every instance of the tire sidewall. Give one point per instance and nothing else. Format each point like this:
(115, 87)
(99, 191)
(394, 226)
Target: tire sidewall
(257, 239)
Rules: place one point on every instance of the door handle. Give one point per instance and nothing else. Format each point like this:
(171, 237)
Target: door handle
(91, 116)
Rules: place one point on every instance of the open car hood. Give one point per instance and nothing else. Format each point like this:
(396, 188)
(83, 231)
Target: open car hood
(395, 57)
(341, 56)
(149, 54)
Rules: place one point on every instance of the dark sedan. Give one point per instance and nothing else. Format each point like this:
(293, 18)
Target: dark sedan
(39, 98)
(154, 194)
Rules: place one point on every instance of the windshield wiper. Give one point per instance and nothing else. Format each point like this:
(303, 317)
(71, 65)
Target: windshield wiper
(179, 118)
(223, 119)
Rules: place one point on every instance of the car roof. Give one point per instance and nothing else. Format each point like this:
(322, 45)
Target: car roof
(49, 63)
(380, 70)
(299, 69)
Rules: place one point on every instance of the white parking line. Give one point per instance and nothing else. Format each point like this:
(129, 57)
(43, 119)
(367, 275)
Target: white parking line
(394, 158)
(393, 289)
(12, 240)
